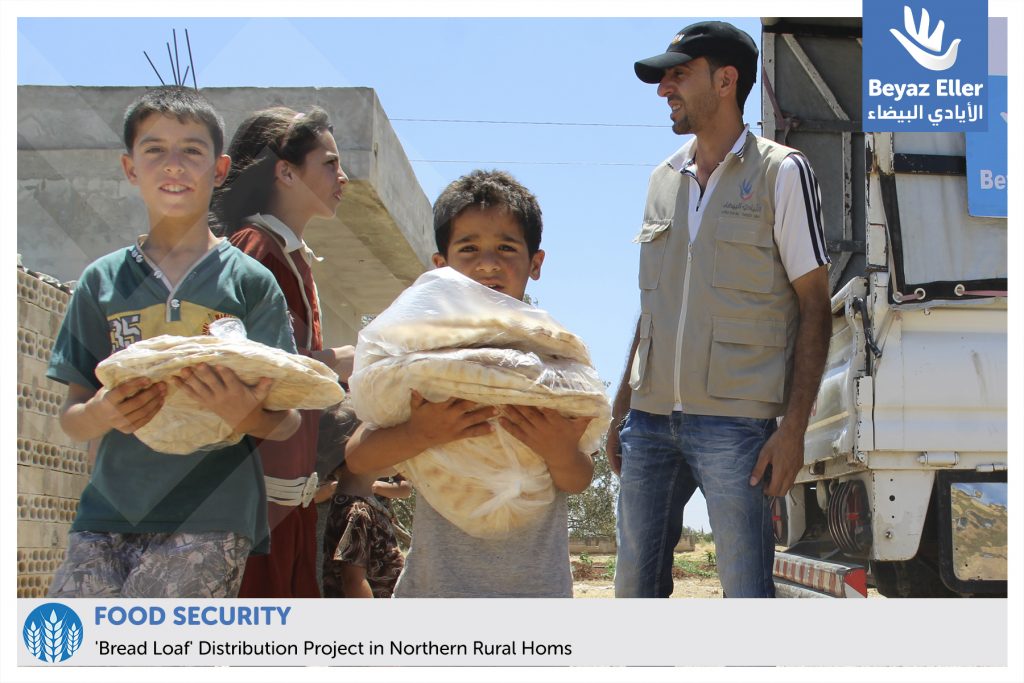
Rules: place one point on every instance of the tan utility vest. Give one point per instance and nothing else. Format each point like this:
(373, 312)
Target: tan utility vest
(718, 317)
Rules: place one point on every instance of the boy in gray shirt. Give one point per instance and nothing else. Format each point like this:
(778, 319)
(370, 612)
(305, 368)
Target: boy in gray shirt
(487, 226)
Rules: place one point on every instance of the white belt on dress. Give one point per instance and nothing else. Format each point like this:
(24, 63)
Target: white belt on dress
(298, 491)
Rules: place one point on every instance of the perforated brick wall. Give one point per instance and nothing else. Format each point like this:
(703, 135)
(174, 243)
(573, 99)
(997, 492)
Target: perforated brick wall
(52, 469)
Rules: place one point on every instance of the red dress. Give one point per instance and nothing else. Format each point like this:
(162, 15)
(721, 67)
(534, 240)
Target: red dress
(289, 571)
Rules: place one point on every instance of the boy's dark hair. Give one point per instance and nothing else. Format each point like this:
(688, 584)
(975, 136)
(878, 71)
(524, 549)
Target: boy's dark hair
(260, 141)
(337, 424)
(484, 190)
(744, 83)
(174, 100)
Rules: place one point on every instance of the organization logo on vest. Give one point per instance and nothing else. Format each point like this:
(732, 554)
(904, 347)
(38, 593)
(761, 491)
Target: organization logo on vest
(925, 66)
(52, 632)
(746, 190)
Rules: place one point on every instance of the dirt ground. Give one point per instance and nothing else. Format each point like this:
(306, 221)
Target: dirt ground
(593, 583)
(593, 580)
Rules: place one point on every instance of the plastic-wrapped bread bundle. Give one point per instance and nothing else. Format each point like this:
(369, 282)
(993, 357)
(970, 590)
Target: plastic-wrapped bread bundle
(448, 336)
(182, 427)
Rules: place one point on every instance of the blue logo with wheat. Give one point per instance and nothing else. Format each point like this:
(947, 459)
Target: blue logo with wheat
(53, 632)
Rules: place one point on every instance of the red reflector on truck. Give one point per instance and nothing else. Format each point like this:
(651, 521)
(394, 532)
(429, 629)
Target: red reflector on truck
(831, 579)
(778, 508)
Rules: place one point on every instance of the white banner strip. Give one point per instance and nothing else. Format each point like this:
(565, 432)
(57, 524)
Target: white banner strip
(508, 633)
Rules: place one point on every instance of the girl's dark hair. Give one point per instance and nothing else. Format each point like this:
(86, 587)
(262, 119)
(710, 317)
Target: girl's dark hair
(262, 140)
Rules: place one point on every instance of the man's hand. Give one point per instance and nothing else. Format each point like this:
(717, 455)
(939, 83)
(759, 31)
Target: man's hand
(555, 438)
(613, 447)
(620, 407)
(128, 406)
(434, 424)
(784, 452)
(219, 390)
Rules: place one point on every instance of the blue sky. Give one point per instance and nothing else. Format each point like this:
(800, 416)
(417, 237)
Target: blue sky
(590, 179)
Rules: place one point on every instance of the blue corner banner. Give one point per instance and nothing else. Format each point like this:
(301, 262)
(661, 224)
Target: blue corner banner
(925, 66)
(987, 160)
(986, 152)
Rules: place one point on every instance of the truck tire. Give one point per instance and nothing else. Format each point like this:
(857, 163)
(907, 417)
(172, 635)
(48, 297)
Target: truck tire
(915, 578)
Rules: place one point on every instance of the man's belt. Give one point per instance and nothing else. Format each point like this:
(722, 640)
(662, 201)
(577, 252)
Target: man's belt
(298, 491)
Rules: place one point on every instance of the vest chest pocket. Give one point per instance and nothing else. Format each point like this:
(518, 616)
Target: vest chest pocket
(744, 256)
(652, 239)
(748, 359)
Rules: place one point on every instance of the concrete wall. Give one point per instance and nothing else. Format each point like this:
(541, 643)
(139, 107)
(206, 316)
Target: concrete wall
(52, 469)
(74, 204)
(605, 545)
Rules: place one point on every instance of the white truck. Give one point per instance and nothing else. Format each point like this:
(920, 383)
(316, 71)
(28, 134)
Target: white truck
(904, 486)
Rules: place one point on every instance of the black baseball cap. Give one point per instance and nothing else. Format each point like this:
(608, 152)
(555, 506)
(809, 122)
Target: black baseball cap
(717, 39)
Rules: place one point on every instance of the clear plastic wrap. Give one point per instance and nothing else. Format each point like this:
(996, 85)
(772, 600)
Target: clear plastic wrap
(182, 426)
(449, 336)
(444, 309)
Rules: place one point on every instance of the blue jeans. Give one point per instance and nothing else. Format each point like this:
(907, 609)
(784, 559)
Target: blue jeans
(664, 459)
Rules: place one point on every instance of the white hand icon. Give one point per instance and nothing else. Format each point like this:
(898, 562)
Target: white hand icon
(933, 42)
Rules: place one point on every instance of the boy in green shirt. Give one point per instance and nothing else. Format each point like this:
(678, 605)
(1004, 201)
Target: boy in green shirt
(149, 524)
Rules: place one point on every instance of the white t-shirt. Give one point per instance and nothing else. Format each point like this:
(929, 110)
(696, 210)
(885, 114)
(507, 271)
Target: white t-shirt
(798, 228)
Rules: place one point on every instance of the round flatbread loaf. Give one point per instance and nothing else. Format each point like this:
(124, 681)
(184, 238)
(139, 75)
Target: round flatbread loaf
(491, 485)
(488, 486)
(182, 426)
(448, 336)
(444, 309)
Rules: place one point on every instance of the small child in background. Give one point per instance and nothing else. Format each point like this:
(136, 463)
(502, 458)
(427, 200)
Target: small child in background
(361, 554)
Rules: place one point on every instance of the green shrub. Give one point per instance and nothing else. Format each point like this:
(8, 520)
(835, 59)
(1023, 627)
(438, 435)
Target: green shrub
(682, 566)
(592, 511)
(609, 570)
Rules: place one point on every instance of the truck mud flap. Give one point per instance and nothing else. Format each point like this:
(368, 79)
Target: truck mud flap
(973, 531)
(803, 577)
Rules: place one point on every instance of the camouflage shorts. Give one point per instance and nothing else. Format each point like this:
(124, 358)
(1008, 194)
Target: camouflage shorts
(181, 565)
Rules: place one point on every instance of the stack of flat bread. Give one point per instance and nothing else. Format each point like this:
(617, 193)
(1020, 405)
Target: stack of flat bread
(448, 336)
(182, 426)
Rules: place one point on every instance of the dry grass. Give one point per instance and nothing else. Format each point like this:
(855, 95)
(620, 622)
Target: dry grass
(590, 580)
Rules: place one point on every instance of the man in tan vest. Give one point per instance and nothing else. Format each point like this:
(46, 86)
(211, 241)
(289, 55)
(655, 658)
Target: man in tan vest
(733, 331)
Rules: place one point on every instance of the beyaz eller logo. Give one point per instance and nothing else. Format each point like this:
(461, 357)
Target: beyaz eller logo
(52, 632)
(928, 57)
